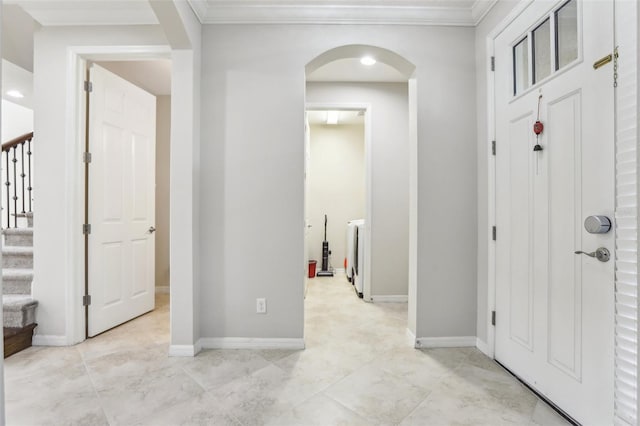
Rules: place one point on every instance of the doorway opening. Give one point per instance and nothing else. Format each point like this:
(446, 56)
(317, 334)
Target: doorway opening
(335, 192)
(125, 187)
(360, 171)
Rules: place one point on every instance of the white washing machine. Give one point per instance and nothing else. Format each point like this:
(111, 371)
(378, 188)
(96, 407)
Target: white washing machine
(358, 261)
(351, 246)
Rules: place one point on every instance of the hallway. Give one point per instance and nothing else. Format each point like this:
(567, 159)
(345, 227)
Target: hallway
(358, 369)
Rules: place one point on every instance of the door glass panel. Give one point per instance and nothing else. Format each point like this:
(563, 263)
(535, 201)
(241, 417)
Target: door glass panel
(520, 67)
(566, 34)
(541, 39)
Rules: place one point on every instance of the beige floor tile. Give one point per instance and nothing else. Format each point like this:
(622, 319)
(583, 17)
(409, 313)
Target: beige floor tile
(358, 368)
(543, 415)
(377, 395)
(264, 395)
(138, 397)
(53, 397)
(320, 410)
(202, 410)
(213, 368)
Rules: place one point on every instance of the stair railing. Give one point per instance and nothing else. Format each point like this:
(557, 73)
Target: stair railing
(18, 187)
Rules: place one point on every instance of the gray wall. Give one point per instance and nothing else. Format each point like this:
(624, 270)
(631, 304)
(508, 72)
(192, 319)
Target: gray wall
(251, 180)
(163, 139)
(389, 174)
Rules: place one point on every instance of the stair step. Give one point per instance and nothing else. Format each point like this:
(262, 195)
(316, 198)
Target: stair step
(17, 257)
(18, 310)
(18, 237)
(28, 216)
(17, 339)
(17, 281)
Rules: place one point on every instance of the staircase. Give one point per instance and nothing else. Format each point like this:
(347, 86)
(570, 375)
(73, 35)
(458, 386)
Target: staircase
(19, 308)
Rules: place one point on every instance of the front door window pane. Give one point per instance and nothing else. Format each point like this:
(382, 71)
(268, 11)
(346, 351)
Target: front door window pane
(566, 34)
(541, 39)
(520, 67)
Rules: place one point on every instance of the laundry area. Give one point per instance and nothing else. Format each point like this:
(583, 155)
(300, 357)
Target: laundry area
(336, 194)
(357, 186)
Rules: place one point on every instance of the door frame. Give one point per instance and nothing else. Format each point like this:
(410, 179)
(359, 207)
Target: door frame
(326, 106)
(77, 58)
(520, 7)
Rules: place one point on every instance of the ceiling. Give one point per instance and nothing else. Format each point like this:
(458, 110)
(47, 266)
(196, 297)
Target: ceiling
(408, 12)
(153, 76)
(346, 117)
(16, 78)
(351, 70)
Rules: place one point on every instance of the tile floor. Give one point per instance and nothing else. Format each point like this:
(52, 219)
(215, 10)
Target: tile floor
(358, 369)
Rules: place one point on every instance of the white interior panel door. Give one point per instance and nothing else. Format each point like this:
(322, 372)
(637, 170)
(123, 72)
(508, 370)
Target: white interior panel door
(121, 201)
(554, 308)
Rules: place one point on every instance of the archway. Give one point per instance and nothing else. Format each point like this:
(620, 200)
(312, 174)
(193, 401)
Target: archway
(346, 59)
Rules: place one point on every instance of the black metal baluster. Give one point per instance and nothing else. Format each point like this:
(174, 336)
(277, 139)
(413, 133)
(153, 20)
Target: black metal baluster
(22, 175)
(7, 184)
(15, 188)
(29, 188)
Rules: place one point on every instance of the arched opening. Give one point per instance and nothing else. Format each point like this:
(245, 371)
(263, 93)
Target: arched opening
(383, 94)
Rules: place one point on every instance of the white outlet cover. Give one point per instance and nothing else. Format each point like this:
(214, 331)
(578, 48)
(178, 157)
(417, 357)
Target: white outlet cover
(261, 306)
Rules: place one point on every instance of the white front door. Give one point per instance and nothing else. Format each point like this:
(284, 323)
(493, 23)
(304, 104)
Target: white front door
(554, 308)
(121, 201)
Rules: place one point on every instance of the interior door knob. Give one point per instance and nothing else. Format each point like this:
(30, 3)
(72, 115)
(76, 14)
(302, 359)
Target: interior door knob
(151, 230)
(602, 254)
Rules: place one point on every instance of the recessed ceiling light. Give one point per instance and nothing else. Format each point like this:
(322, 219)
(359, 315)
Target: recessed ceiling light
(15, 94)
(332, 117)
(368, 61)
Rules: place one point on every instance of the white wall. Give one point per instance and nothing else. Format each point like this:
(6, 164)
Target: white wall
(336, 186)
(16, 120)
(493, 18)
(389, 174)
(251, 194)
(163, 140)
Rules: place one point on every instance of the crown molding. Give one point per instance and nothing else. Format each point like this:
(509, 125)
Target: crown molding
(381, 12)
(480, 9)
(409, 12)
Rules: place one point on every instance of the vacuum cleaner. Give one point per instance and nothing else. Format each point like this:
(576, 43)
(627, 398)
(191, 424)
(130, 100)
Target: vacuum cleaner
(327, 270)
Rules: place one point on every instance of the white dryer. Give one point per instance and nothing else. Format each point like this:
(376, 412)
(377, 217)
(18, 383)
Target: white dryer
(351, 246)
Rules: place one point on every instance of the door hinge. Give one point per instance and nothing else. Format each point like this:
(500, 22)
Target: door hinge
(493, 147)
(493, 63)
(88, 86)
(494, 232)
(86, 300)
(86, 157)
(86, 229)
(493, 318)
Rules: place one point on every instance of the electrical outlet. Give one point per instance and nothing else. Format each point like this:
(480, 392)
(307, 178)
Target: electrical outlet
(261, 305)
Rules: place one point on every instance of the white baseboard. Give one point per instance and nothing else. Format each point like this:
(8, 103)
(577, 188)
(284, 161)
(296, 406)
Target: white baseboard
(49, 340)
(484, 347)
(411, 338)
(446, 342)
(250, 343)
(162, 289)
(185, 350)
(390, 299)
